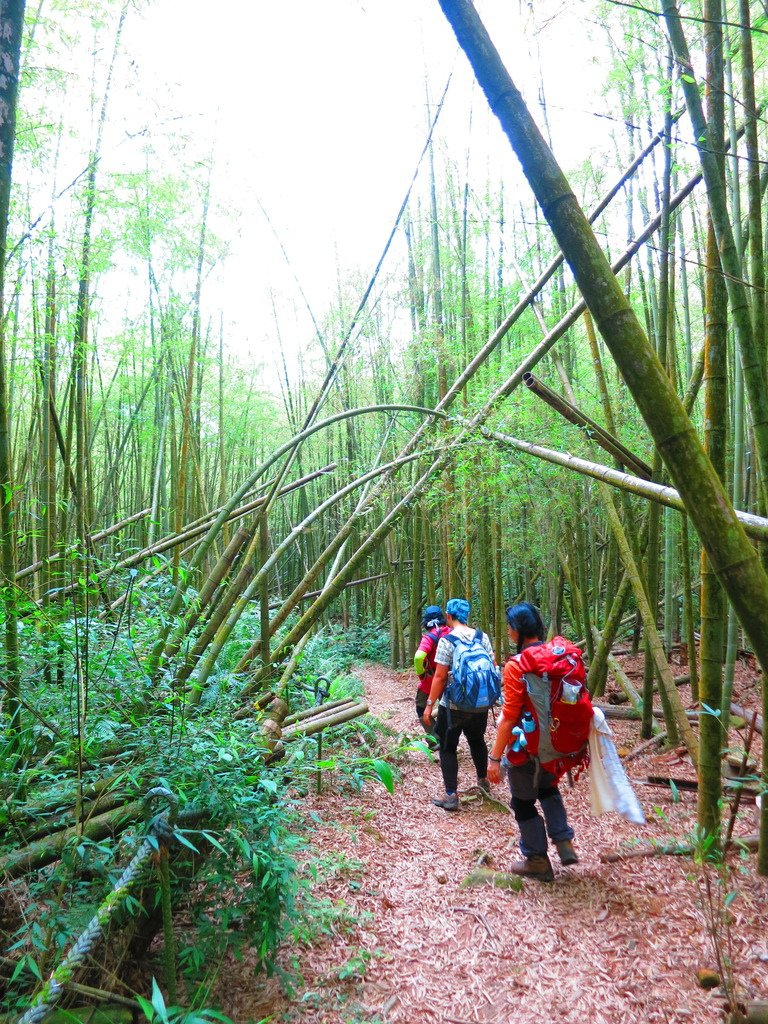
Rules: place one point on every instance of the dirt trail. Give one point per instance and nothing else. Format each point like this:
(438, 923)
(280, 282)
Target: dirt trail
(612, 944)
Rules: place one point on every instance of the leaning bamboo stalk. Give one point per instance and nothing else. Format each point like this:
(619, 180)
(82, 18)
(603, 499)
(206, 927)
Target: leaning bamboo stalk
(604, 639)
(675, 717)
(755, 526)
(335, 550)
(625, 683)
(620, 675)
(217, 575)
(593, 430)
(252, 585)
(215, 528)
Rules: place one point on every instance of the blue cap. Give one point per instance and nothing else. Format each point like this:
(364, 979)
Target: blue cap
(458, 608)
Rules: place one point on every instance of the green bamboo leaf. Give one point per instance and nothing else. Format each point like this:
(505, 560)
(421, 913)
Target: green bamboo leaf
(185, 842)
(146, 1007)
(158, 1002)
(384, 773)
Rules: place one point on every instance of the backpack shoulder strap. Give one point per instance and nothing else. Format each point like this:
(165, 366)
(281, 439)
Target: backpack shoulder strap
(478, 637)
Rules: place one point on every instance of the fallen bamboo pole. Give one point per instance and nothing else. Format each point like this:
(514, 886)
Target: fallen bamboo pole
(623, 714)
(45, 851)
(670, 850)
(742, 712)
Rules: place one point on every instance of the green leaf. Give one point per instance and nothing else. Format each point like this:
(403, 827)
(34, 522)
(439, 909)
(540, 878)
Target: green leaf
(185, 842)
(158, 1002)
(146, 1007)
(385, 775)
(710, 711)
(689, 79)
(213, 841)
(675, 792)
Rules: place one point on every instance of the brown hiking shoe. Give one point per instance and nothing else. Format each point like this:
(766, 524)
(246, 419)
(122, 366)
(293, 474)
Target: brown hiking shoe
(567, 853)
(448, 803)
(537, 867)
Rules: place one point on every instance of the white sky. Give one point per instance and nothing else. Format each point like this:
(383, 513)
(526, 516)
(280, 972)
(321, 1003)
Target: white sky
(318, 111)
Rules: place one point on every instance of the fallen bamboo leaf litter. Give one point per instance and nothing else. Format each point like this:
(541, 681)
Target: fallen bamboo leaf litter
(619, 943)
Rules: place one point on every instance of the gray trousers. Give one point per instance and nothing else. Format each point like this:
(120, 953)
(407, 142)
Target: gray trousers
(527, 784)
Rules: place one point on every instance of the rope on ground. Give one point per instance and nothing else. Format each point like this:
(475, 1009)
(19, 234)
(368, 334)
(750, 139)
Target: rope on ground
(160, 830)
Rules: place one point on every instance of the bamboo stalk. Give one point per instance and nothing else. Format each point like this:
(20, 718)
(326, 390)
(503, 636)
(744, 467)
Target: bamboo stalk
(593, 430)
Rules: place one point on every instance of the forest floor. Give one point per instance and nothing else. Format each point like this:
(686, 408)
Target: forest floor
(395, 939)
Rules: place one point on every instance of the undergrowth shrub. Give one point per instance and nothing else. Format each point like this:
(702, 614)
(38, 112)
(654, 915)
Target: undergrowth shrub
(239, 888)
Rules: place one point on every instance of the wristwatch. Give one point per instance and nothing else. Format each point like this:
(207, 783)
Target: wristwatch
(430, 703)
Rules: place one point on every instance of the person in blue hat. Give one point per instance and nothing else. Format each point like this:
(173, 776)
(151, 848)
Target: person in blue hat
(435, 627)
(453, 722)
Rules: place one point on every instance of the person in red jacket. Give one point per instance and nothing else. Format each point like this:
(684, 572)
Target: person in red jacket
(528, 781)
(434, 625)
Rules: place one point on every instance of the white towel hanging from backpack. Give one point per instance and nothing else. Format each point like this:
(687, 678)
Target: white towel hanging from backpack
(609, 787)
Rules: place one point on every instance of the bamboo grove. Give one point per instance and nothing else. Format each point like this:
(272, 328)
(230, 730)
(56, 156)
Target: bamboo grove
(555, 393)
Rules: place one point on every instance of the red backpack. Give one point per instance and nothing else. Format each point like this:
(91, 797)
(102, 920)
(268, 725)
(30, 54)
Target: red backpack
(559, 702)
(435, 635)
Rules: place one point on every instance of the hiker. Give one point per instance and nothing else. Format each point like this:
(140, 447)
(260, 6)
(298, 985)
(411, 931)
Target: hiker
(528, 780)
(467, 713)
(434, 625)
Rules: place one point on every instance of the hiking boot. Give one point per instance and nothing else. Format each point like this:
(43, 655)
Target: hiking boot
(484, 785)
(567, 853)
(448, 803)
(537, 867)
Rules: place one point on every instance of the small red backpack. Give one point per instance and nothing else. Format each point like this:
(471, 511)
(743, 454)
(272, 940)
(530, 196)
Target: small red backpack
(559, 702)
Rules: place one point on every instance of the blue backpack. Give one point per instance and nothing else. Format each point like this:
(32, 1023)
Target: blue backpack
(476, 681)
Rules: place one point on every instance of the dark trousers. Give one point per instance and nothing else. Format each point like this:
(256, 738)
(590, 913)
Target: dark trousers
(421, 704)
(450, 726)
(529, 783)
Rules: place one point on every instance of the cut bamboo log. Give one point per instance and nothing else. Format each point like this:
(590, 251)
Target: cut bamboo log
(310, 726)
(319, 709)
